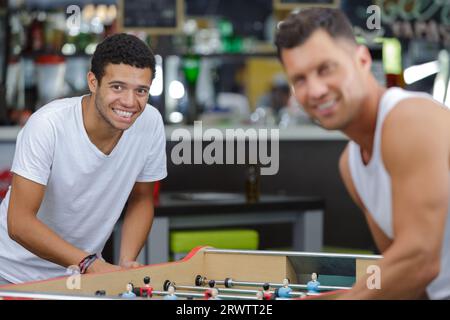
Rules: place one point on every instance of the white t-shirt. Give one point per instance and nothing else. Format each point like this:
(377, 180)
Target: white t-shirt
(86, 190)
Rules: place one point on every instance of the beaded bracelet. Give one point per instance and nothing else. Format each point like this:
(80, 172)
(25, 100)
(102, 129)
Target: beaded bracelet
(86, 262)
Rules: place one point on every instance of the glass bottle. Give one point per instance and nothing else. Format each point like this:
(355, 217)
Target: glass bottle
(252, 183)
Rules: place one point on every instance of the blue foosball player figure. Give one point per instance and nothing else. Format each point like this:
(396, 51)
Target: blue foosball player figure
(129, 294)
(171, 295)
(285, 290)
(313, 285)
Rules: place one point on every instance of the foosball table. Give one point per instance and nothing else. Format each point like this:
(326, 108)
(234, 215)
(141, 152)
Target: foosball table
(209, 273)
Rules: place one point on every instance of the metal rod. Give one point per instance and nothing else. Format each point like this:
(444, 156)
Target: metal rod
(293, 286)
(201, 295)
(231, 297)
(295, 254)
(238, 291)
(51, 296)
(225, 290)
(180, 294)
(275, 285)
(47, 296)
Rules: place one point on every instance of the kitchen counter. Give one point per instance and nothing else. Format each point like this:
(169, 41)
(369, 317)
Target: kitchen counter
(303, 132)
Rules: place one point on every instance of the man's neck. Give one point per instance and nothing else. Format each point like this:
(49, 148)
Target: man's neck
(362, 129)
(101, 134)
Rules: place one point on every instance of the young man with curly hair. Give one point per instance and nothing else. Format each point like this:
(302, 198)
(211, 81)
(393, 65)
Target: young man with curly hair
(77, 162)
(396, 166)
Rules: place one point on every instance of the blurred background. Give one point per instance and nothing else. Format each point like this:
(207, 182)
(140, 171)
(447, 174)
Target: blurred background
(216, 62)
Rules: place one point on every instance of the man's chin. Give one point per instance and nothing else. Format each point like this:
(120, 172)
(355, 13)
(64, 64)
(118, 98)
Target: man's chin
(329, 125)
(122, 127)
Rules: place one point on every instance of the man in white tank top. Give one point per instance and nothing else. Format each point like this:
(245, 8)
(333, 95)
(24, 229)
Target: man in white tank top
(397, 165)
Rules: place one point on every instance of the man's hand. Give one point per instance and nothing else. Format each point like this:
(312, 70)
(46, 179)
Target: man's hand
(100, 266)
(130, 264)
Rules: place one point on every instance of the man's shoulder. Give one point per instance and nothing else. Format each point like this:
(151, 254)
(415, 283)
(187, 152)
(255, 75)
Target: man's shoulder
(57, 107)
(150, 112)
(150, 117)
(417, 126)
(416, 113)
(53, 115)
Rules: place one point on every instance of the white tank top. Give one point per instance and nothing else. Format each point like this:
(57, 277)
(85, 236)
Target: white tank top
(373, 184)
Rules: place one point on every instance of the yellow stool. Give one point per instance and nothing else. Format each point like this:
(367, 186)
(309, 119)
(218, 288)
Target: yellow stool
(181, 242)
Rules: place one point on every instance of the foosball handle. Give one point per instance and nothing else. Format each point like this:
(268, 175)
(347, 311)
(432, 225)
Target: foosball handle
(166, 285)
(199, 280)
(228, 283)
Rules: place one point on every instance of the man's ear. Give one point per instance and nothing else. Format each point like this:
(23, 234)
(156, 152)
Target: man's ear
(92, 82)
(364, 58)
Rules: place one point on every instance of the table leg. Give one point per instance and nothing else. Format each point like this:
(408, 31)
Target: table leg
(308, 231)
(158, 241)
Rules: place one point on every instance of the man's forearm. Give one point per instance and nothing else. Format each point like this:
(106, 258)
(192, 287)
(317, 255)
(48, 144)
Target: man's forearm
(42, 241)
(136, 227)
(403, 275)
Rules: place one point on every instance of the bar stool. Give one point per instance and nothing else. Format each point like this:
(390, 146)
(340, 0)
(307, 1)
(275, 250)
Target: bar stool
(181, 242)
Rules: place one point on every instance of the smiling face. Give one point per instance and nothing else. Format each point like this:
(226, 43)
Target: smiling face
(328, 78)
(121, 95)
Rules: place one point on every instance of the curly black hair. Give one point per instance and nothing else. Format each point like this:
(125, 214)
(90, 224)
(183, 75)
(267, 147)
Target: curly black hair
(122, 48)
(299, 26)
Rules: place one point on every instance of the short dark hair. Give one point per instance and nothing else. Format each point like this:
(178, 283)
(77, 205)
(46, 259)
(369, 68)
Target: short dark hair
(122, 48)
(299, 26)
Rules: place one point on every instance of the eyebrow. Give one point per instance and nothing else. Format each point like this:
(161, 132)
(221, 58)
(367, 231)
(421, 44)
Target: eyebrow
(330, 62)
(297, 77)
(124, 83)
(323, 63)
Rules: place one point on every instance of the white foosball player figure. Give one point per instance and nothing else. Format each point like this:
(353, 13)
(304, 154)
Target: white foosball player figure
(313, 285)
